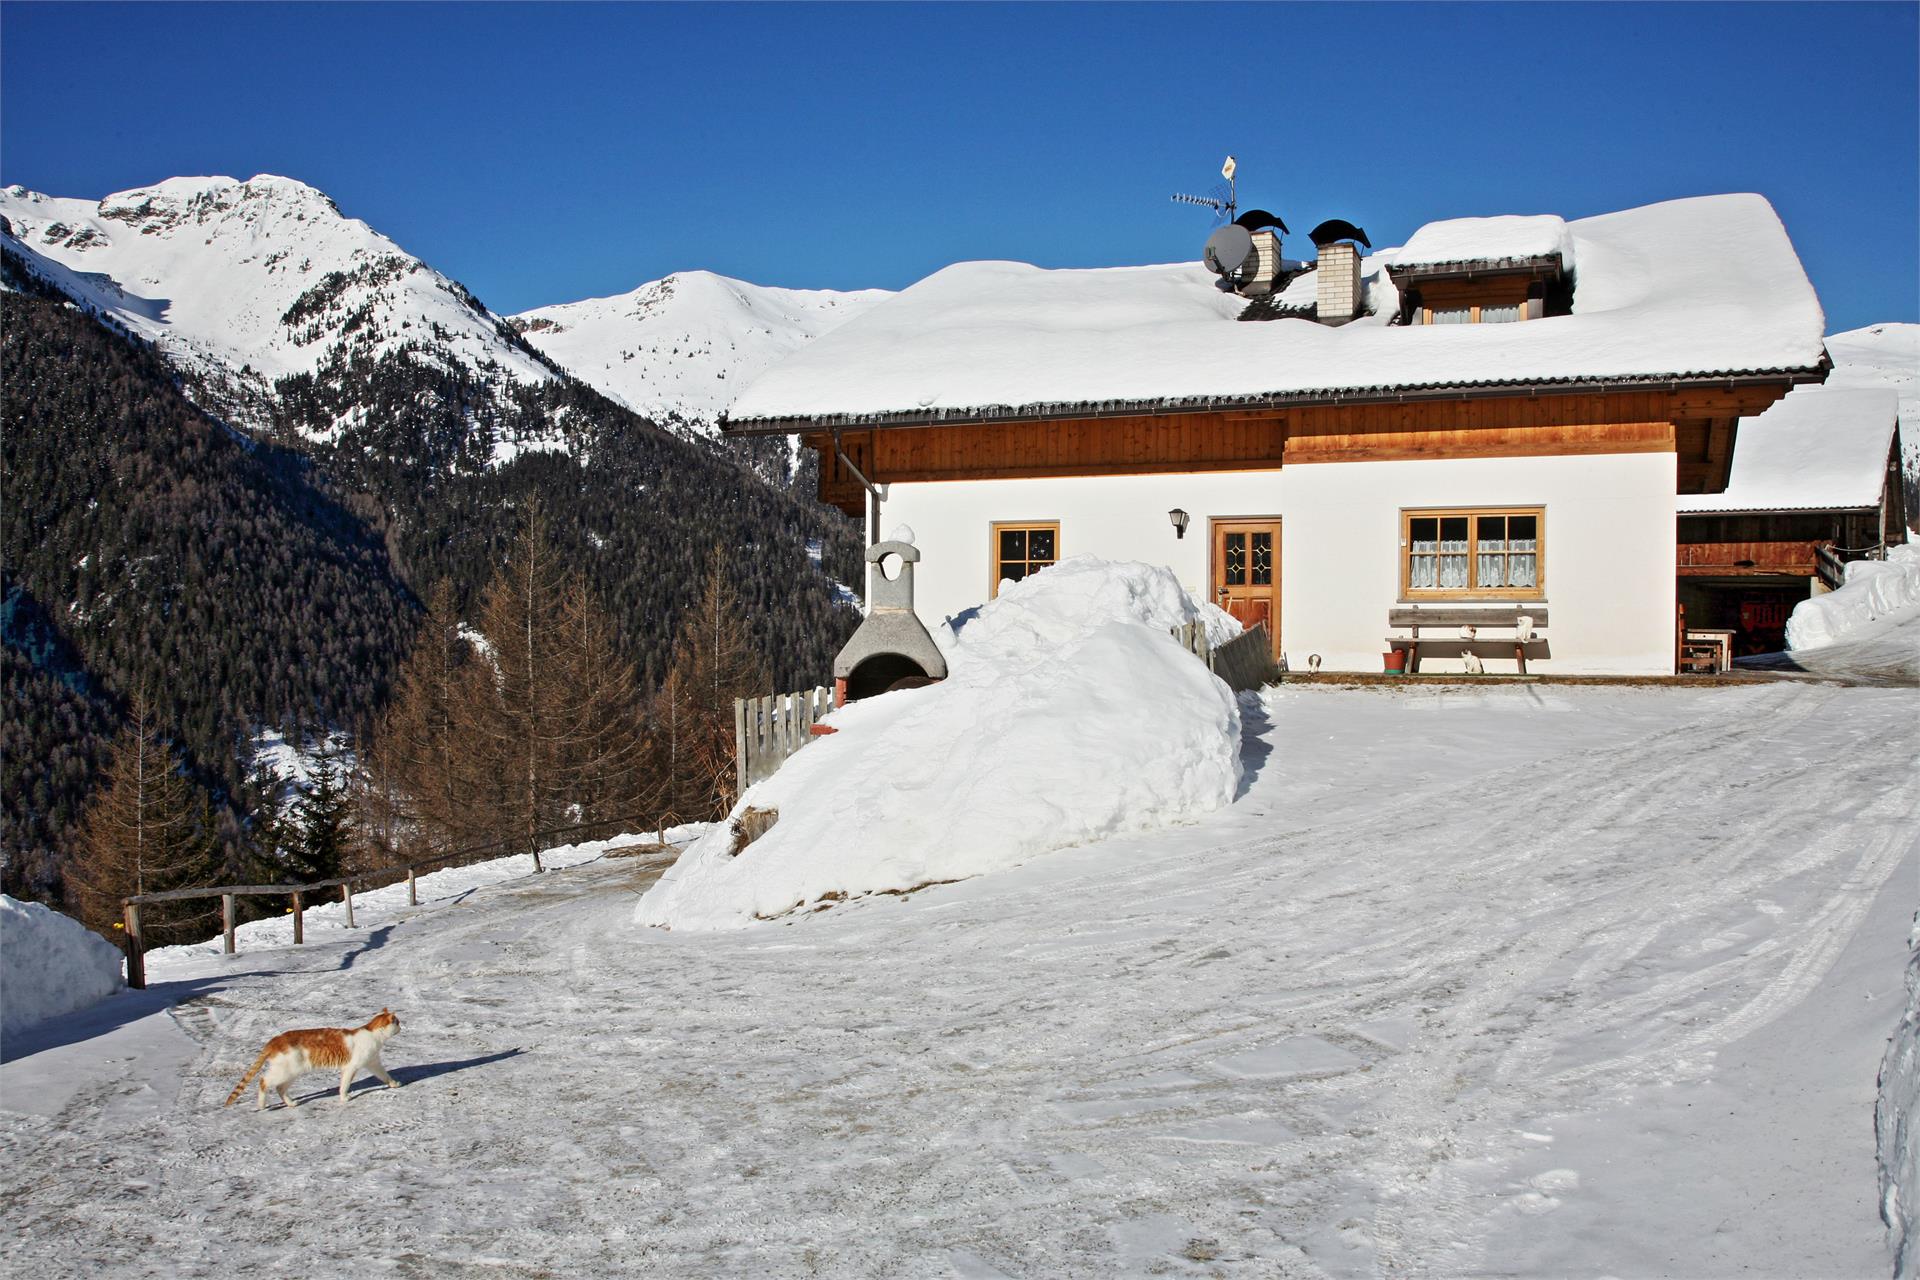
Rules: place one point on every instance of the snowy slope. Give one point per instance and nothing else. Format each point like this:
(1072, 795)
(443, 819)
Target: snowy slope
(682, 348)
(242, 283)
(1884, 355)
(1490, 981)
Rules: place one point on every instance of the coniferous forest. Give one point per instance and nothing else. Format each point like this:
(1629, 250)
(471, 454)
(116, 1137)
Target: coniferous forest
(164, 567)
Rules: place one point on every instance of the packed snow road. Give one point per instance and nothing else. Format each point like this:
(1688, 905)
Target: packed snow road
(1516, 980)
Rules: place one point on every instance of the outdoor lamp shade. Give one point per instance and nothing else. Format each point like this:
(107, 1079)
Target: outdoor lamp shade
(1179, 519)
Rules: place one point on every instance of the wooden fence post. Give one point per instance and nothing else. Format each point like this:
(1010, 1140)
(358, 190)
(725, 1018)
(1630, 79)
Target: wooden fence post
(413, 894)
(299, 930)
(136, 946)
(346, 896)
(739, 746)
(226, 921)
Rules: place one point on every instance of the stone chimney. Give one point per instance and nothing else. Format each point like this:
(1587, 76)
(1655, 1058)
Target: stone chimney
(1339, 282)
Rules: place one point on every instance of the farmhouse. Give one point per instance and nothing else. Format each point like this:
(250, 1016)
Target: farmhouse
(1491, 424)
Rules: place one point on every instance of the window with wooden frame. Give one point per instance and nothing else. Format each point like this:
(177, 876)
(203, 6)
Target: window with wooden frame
(1021, 548)
(1497, 554)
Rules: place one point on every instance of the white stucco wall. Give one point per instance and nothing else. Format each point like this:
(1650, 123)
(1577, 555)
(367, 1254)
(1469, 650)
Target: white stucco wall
(1609, 557)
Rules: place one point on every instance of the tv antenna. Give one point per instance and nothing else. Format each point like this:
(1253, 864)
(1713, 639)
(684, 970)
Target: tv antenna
(1224, 199)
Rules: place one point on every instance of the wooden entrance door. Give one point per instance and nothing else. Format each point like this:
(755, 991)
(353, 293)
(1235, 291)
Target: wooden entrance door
(1246, 572)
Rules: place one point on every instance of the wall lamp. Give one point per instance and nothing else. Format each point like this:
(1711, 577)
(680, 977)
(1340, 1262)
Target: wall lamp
(1179, 519)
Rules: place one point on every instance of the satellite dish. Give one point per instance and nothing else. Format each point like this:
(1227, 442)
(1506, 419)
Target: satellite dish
(1227, 170)
(1228, 250)
(1254, 219)
(1337, 229)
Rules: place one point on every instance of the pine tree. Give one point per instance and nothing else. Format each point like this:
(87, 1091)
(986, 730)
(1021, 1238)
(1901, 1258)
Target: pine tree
(610, 765)
(322, 824)
(144, 832)
(423, 787)
(527, 717)
(714, 663)
(268, 834)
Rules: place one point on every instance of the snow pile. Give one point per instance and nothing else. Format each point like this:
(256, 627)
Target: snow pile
(1685, 288)
(1486, 240)
(1873, 590)
(1896, 1125)
(1068, 714)
(49, 965)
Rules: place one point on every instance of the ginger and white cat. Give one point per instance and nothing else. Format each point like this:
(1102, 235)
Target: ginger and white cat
(292, 1054)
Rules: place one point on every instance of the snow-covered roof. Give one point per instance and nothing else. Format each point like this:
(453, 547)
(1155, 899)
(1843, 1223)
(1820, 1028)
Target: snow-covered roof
(1817, 449)
(1462, 240)
(1688, 288)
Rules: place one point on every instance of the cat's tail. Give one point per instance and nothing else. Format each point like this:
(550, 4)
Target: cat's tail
(246, 1079)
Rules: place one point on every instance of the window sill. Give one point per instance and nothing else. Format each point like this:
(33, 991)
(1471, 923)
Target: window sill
(1413, 602)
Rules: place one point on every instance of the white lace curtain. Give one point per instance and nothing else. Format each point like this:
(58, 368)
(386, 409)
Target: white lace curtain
(1437, 562)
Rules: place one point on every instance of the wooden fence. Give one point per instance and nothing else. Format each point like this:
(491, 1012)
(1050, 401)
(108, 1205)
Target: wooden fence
(768, 730)
(130, 907)
(1244, 662)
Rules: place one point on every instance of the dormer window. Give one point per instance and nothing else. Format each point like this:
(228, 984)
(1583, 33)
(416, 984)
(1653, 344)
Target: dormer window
(1484, 271)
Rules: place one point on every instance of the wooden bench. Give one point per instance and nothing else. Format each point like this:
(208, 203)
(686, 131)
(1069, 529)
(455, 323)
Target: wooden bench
(1445, 621)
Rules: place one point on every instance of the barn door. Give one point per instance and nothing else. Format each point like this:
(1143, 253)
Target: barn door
(1246, 572)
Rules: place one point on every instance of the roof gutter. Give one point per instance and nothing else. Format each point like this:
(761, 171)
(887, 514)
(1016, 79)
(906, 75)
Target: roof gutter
(1272, 400)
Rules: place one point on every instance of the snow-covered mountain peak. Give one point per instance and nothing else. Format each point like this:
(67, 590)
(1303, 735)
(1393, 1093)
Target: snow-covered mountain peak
(682, 347)
(202, 200)
(242, 284)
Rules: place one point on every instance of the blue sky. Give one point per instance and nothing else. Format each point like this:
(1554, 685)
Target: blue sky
(547, 153)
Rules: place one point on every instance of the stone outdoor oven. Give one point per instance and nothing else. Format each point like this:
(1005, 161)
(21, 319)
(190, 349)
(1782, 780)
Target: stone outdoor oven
(891, 649)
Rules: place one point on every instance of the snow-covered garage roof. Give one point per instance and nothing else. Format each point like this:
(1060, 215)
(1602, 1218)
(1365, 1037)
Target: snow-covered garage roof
(1685, 289)
(1817, 449)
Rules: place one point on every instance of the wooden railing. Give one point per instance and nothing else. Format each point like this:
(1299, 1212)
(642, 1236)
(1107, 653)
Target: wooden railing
(1244, 662)
(130, 907)
(768, 730)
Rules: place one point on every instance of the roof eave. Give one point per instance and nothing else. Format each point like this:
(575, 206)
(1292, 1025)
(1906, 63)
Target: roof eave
(1271, 400)
(1821, 508)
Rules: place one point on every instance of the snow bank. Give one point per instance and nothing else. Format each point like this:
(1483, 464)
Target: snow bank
(1068, 714)
(325, 921)
(50, 965)
(1873, 589)
(1896, 1123)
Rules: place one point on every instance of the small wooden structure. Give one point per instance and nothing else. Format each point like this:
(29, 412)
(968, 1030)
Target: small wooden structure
(1443, 623)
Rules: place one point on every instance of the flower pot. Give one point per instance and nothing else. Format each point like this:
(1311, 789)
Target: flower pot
(1396, 660)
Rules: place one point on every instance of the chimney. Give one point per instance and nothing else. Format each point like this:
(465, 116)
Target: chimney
(891, 646)
(1339, 287)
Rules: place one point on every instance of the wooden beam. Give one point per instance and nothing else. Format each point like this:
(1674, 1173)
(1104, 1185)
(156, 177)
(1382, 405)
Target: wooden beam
(136, 946)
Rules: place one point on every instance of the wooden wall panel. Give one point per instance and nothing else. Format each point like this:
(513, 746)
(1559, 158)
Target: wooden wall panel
(1738, 559)
(1698, 426)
